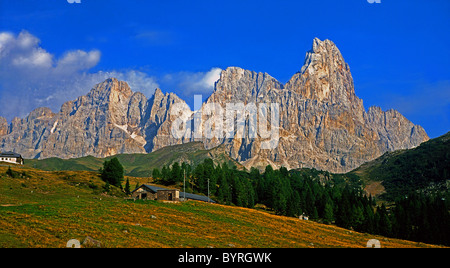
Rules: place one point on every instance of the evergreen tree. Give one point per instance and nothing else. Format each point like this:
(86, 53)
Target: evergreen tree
(165, 174)
(127, 187)
(251, 195)
(176, 174)
(156, 174)
(384, 224)
(112, 172)
(369, 219)
(357, 217)
(224, 190)
(328, 215)
(309, 199)
(343, 216)
(238, 192)
(201, 181)
(293, 205)
(315, 214)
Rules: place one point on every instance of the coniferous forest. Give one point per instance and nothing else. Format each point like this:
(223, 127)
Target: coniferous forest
(319, 195)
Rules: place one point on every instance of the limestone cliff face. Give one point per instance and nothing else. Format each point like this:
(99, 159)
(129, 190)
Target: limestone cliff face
(109, 120)
(158, 125)
(97, 124)
(3, 126)
(323, 124)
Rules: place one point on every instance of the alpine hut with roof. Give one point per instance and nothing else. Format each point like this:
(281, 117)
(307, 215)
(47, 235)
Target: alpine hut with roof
(151, 192)
(10, 157)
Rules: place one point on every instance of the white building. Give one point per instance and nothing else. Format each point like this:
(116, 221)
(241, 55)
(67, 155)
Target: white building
(10, 157)
(304, 217)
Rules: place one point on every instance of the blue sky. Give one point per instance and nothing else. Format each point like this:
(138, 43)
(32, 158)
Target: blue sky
(52, 51)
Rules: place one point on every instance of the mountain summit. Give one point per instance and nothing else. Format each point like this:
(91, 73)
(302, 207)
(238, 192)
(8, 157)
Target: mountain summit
(323, 124)
(324, 76)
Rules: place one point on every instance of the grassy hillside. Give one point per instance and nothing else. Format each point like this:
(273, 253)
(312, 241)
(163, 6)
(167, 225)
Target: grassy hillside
(46, 209)
(395, 174)
(139, 165)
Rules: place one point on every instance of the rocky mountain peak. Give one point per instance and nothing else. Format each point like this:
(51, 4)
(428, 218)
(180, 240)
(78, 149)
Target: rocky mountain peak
(323, 124)
(322, 53)
(40, 113)
(158, 92)
(3, 126)
(324, 76)
(242, 85)
(111, 90)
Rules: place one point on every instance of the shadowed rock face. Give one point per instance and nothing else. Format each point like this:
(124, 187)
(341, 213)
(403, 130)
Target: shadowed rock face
(323, 124)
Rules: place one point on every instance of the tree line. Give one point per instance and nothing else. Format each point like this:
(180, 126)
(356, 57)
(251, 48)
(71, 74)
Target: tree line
(323, 197)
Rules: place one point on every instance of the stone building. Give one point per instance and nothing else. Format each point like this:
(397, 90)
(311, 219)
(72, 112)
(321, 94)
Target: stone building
(151, 192)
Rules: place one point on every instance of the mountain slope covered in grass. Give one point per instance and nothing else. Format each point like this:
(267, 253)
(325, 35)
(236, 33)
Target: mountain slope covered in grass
(397, 174)
(139, 165)
(47, 209)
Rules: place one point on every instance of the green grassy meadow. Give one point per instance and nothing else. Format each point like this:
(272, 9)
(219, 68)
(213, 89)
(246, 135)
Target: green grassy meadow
(47, 209)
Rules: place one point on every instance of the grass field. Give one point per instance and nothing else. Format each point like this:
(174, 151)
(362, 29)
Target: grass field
(47, 209)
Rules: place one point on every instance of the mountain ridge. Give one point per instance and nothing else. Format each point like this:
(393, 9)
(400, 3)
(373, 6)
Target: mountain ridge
(323, 124)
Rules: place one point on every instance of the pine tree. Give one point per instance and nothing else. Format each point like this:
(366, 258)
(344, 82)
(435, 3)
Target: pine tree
(251, 195)
(315, 214)
(343, 216)
(127, 187)
(293, 205)
(385, 226)
(176, 174)
(224, 191)
(238, 192)
(310, 200)
(165, 174)
(201, 181)
(357, 216)
(112, 172)
(156, 174)
(369, 219)
(328, 215)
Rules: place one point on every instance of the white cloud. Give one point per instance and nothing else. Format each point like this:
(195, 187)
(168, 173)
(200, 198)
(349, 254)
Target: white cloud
(194, 82)
(78, 60)
(23, 51)
(211, 77)
(137, 80)
(31, 77)
(24, 54)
